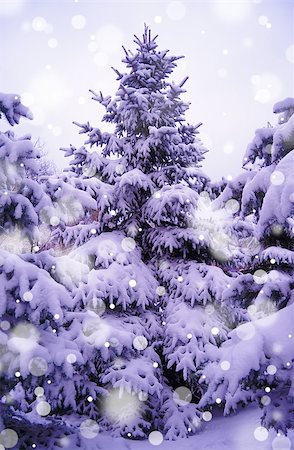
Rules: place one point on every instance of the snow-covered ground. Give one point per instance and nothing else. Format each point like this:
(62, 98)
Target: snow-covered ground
(234, 432)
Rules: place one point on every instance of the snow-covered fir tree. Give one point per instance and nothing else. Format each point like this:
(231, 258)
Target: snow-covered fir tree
(259, 354)
(154, 289)
(39, 383)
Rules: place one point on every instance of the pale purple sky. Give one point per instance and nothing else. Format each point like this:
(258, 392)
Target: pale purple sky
(239, 59)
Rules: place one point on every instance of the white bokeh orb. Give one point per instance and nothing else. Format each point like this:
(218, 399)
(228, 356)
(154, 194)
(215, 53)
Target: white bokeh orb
(140, 343)
(43, 408)
(39, 23)
(277, 178)
(207, 416)
(281, 442)
(128, 244)
(155, 438)
(182, 396)
(261, 434)
(8, 438)
(89, 429)
(78, 22)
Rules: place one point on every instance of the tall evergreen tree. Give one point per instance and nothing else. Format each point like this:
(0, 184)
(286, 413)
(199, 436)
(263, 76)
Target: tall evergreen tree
(38, 380)
(260, 353)
(152, 251)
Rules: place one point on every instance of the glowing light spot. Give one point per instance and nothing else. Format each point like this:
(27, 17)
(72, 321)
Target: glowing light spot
(43, 408)
(214, 331)
(262, 20)
(160, 291)
(155, 438)
(182, 396)
(271, 369)
(78, 22)
(207, 416)
(260, 276)
(8, 438)
(89, 170)
(89, 429)
(180, 278)
(189, 336)
(97, 306)
(155, 365)
(277, 230)
(107, 344)
(90, 399)
(176, 10)
(128, 244)
(39, 24)
(261, 434)
(121, 406)
(52, 43)
(232, 206)
(225, 51)
(277, 178)
(17, 374)
(38, 366)
(228, 148)
(27, 296)
(24, 338)
(281, 442)
(132, 283)
(54, 221)
(218, 401)
(112, 306)
(140, 343)
(39, 391)
(157, 19)
(267, 389)
(225, 365)
(5, 325)
(265, 400)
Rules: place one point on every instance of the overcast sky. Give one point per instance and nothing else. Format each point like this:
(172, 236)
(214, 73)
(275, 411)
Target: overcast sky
(239, 57)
